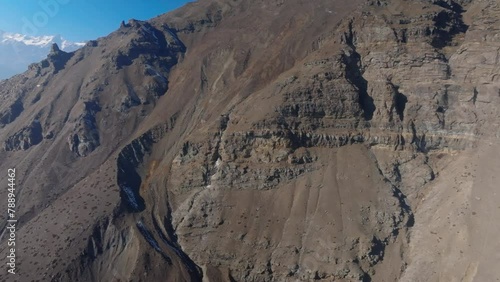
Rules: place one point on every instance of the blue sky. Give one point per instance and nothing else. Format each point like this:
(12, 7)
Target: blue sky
(77, 20)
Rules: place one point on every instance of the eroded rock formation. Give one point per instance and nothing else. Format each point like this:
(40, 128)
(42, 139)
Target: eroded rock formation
(244, 141)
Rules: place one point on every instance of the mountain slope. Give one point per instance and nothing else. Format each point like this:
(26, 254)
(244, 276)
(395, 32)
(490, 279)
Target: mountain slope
(243, 141)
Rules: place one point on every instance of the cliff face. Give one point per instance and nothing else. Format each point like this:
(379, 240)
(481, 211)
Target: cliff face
(244, 141)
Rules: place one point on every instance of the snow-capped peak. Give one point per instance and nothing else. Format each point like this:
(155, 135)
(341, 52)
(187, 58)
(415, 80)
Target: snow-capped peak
(67, 45)
(17, 51)
(40, 41)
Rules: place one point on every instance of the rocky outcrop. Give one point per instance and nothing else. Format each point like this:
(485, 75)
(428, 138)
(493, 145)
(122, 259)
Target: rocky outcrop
(12, 112)
(85, 136)
(148, 43)
(25, 138)
(55, 61)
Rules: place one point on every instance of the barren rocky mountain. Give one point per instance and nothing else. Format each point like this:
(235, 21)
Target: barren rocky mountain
(235, 140)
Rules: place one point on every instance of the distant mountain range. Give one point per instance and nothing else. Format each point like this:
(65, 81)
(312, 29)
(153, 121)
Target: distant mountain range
(17, 51)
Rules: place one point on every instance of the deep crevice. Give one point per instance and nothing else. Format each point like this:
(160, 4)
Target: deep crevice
(354, 74)
(399, 101)
(152, 241)
(193, 268)
(128, 162)
(448, 23)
